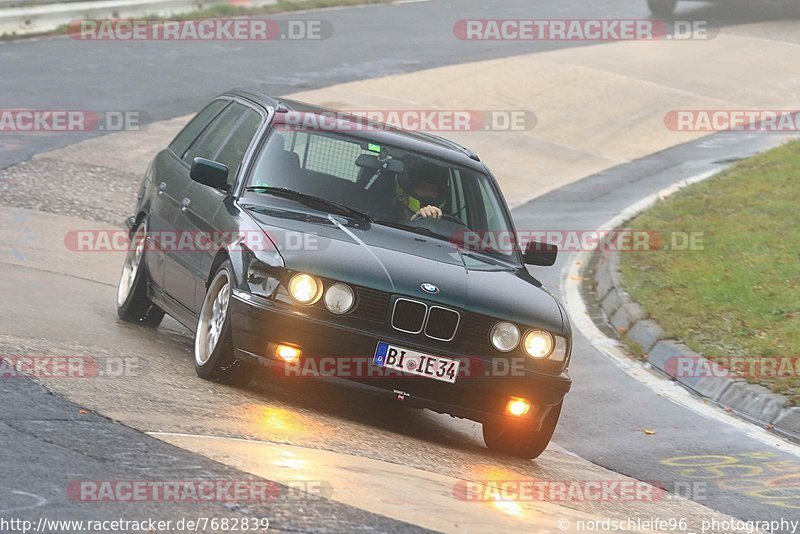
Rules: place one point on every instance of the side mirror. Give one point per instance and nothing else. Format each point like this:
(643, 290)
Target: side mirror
(543, 254)
(210, 173)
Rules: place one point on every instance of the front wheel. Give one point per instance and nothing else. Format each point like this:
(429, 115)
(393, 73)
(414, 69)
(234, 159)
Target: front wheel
(662, 8)
(133, 304)
(213, 340)
(517, 438)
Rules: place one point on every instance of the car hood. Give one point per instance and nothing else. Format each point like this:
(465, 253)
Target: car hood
(397, 261)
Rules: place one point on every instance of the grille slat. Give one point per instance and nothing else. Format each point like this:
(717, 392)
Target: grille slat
(473, 335)
(372, 305)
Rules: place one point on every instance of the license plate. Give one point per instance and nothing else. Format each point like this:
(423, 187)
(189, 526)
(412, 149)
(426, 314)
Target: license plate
(416, 363)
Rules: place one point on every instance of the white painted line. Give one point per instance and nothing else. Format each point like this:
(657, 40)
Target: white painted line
(579, 316)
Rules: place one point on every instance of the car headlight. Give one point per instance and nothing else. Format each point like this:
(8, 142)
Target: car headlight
(339, 298)
(538, 343)
(505, 336)
(305, 288)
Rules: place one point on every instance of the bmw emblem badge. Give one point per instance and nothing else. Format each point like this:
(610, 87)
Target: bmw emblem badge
(429, 288)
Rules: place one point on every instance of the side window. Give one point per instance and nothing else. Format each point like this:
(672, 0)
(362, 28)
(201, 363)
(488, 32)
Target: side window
(209, 142)
(232, 152)
(182, 141)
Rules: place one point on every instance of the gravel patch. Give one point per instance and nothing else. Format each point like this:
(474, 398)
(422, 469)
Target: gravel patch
(68, 188)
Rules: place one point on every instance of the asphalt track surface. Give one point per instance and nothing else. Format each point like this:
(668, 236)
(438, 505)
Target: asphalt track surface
(605, 414)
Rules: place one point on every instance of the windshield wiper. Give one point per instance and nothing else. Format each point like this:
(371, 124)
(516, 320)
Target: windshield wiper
(310, 200)
(415, 229)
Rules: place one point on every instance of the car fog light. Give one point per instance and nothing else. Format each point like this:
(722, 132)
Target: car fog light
(538, 344)
(288, 353)
(339, 298)
(305, 289)
(505, 336)
(518, 407)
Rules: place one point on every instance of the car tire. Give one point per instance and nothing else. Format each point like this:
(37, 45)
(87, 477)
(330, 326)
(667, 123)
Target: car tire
(517, 438)
(662, 8)
(133, 304)
(213, 339)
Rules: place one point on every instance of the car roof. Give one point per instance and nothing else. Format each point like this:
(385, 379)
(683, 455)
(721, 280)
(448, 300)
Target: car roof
(424, 143)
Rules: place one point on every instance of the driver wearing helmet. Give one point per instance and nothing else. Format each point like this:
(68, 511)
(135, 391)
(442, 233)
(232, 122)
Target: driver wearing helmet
(421, 192)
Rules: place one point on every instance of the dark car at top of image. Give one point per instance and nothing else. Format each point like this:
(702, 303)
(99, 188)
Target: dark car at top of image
(291, 237)
(666, 8)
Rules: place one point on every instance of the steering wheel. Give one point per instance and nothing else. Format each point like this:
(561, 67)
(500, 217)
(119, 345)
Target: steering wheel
(447, 224)
(453, 219)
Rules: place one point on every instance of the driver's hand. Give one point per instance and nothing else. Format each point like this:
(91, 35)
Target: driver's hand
(428, 212)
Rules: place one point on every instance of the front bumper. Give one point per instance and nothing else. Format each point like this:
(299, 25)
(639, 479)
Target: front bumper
(480, 392)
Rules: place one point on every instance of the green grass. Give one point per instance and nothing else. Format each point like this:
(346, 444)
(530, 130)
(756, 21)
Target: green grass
(739, 296)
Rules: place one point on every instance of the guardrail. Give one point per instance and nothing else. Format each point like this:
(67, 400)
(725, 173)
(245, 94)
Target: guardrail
(48, 17)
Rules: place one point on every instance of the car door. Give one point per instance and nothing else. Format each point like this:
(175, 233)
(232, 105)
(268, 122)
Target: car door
(205, 202)
(171, 178)
(199, 204)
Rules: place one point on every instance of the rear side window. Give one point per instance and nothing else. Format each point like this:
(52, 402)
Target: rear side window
(216, 134)
(182, 141)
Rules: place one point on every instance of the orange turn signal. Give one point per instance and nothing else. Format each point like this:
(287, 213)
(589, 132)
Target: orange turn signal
(288, 353)
(518, 406)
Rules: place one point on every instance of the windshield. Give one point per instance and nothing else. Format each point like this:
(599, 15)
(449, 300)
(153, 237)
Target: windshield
(394, 187)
